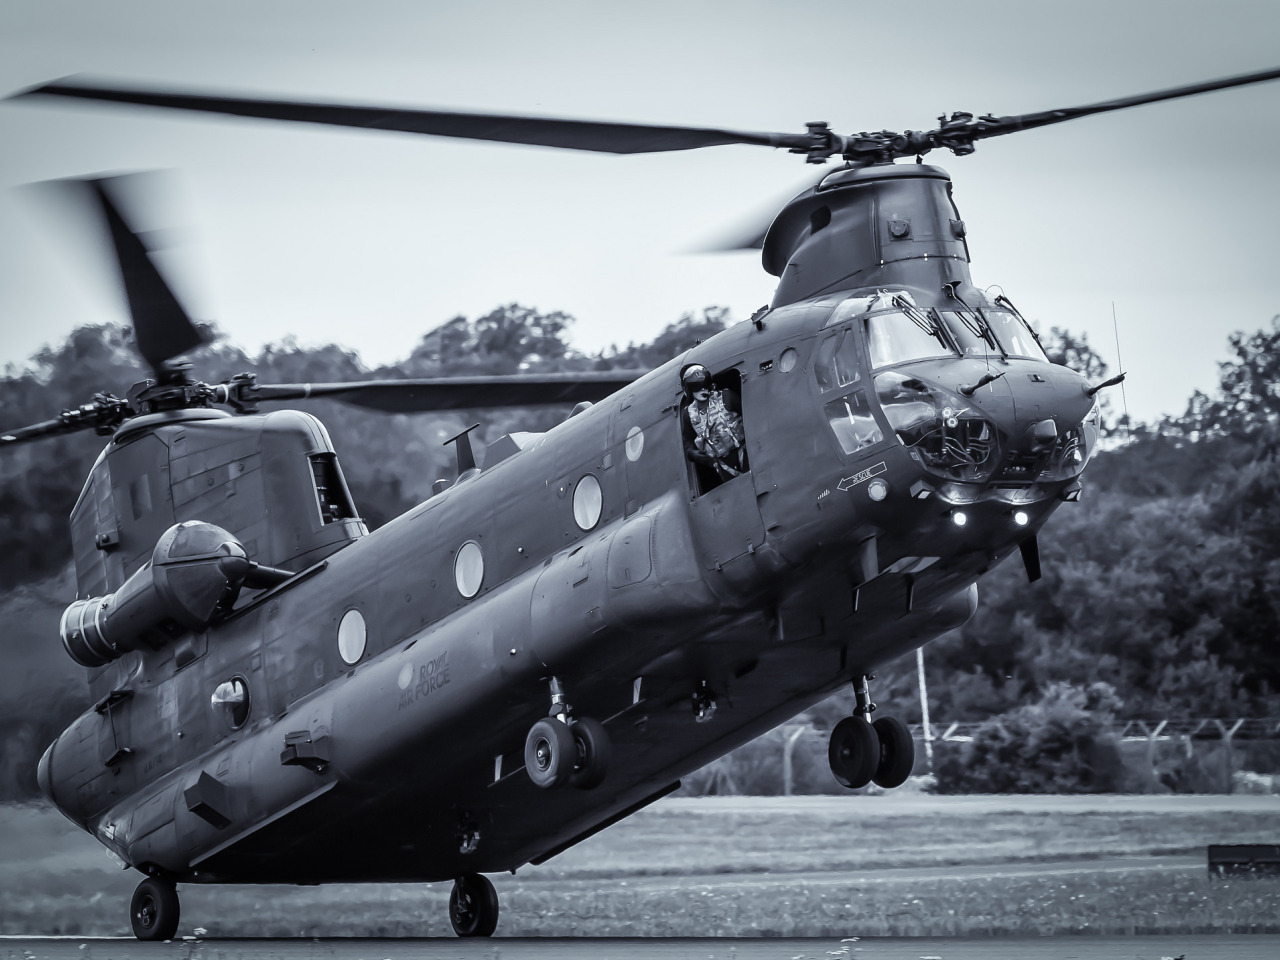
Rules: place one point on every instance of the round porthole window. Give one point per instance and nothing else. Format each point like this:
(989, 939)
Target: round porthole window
(587, 502)
(231, 701)
(635, 443)
(468, 569)
(787, 362)
(351, 636)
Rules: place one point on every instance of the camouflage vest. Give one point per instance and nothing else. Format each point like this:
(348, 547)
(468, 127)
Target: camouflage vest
(719, 428)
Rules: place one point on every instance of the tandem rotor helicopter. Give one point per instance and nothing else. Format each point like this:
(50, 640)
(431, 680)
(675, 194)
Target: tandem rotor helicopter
(583, 616)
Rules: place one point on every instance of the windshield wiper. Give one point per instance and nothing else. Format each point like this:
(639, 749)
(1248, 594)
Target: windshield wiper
(989, 335)
(1003, 301)
(977, 322)
(930, 323)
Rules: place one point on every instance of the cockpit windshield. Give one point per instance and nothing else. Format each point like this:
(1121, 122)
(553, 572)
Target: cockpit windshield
(989, 332)
(972, 333)
(907, 333)
(1015, 335)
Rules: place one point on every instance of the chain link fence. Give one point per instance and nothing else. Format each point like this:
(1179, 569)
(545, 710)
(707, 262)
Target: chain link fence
(1211, 755)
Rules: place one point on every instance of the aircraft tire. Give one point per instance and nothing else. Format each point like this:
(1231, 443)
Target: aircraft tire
(154, 910)
(549, 753)
(853, 752)
(591, 753)
(897, 752)
(473, 906)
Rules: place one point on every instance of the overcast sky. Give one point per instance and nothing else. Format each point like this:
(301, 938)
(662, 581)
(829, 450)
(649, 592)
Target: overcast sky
(369, 240)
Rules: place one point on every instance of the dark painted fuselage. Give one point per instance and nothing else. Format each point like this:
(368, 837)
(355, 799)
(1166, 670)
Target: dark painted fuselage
(838, 550)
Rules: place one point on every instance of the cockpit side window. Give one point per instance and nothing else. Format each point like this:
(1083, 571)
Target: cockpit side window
(837, 361)
(852, 422)
(836, 367)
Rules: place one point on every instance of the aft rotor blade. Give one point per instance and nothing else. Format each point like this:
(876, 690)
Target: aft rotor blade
(749, 231)
(161, 328)
(46, 428)
(103, 413)
(598, 136)
(458, 393)
(1027, 121)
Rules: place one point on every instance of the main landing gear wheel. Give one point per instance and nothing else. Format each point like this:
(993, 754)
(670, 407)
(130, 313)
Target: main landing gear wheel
(591, 753)
(473, 906)
(549, 753)
(854, 752)
(154, 910)
(897, 752)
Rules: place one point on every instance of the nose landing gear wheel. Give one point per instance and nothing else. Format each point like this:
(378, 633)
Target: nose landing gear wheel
(854, 752)
(549, 753)
(591, 753)
(897, 752)
(473, 906)
(154, 910)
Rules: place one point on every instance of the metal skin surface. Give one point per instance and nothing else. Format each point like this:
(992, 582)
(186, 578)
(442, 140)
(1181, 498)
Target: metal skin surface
(769, 592)
(838, 235)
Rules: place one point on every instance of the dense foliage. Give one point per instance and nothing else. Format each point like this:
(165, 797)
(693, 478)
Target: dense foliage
(1160, 596)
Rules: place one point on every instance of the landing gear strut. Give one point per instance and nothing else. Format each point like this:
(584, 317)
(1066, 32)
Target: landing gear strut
(563, 749)
(154, 910)
(473, 906)
(861, 751)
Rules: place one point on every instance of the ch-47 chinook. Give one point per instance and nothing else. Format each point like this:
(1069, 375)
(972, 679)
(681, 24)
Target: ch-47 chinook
(583, 616)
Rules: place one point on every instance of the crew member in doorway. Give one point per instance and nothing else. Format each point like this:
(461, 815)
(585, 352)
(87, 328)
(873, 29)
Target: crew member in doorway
(712, 426)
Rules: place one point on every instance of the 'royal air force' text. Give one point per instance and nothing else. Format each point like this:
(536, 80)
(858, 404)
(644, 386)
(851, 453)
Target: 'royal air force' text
(431, 677)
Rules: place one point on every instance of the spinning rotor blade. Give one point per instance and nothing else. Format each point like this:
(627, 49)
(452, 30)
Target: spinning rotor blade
(958, 134)
(598, 136)
(749, 231)
(998, 126)
(456, 393)
(161, 328)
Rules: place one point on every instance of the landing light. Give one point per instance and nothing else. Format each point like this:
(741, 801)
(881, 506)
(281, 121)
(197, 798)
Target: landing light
(877, 490)
(959, 518)
(1021, 518)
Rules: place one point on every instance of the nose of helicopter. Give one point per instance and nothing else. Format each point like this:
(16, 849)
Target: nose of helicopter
(974, 423)
(1032, 405)
(1046, 391)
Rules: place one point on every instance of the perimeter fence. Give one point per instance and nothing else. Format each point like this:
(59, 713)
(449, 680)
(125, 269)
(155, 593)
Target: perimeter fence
(1185, 755)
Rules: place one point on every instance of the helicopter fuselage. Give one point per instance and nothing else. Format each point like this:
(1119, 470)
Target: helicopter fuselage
(364, 719)
(282, 696)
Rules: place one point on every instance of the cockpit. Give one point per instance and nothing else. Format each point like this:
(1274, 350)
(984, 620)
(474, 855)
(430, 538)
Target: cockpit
(968, 391)
(901, 332)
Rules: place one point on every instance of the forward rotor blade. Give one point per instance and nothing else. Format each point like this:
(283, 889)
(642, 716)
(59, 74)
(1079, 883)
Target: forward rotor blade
(598, 136)
(1028, 121)
(457, 393)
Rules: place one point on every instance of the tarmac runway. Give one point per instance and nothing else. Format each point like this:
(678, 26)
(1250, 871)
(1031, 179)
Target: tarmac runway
(1177, 947)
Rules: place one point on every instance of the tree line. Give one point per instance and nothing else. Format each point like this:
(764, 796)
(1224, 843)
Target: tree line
(1160, 596)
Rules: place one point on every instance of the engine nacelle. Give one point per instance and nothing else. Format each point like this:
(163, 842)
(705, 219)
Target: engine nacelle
(195, 570)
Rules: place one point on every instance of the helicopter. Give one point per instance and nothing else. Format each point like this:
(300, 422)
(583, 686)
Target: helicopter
(583, 616)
